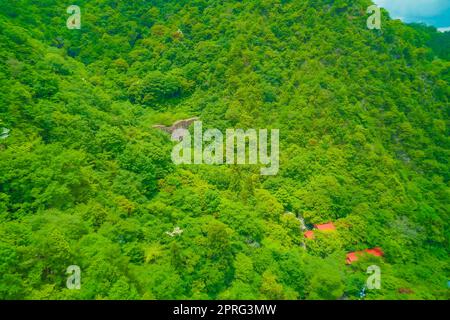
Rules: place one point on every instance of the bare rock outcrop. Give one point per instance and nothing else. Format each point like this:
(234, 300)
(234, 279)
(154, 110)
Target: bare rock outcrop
(180, 124)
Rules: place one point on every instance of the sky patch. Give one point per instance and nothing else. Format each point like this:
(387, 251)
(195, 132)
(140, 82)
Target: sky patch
(431, 12)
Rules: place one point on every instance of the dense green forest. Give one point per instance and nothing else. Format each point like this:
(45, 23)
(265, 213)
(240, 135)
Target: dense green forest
(85, 180)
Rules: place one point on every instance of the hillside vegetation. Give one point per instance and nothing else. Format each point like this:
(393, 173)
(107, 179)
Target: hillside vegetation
(85, 180)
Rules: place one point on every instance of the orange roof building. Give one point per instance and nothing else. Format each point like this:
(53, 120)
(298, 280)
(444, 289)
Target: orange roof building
(309, 234)
(325, 227)
(322, 227)
(354, 256)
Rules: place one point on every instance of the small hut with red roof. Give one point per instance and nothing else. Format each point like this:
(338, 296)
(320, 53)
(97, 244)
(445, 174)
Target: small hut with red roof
(354, 256)
(321, 227)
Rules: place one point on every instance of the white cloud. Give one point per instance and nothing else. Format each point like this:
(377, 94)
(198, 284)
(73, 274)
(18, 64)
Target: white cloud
(444, 29)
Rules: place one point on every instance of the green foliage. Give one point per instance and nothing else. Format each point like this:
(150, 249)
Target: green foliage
(85, 180)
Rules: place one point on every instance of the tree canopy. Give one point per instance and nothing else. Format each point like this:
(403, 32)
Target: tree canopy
(85, 180)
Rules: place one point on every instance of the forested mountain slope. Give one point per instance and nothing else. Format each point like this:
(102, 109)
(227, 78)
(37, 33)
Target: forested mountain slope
(85, 180)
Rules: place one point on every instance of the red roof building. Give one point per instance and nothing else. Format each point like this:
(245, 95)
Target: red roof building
(322, 227)
(309, 234)
(354, 256)
(325, 227)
